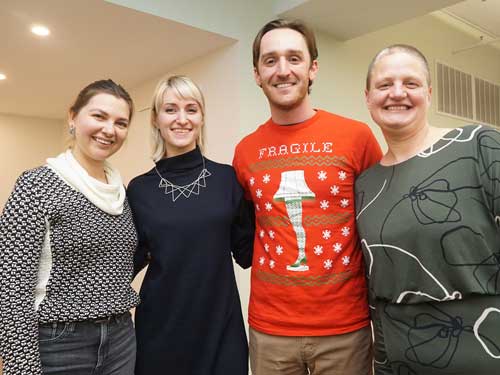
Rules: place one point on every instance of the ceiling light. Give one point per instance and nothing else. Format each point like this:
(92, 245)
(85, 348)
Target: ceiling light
(2, 76)
(40, 30)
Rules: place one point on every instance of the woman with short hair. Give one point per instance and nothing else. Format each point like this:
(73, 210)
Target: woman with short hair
(427, 217)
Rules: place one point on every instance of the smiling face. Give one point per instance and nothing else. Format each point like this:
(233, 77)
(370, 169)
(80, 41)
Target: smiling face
(179, 121)
(100, 128)
(284, 69)
(399, 96)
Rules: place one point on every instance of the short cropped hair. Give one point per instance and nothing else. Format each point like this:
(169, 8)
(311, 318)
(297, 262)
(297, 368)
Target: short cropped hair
(394, 49)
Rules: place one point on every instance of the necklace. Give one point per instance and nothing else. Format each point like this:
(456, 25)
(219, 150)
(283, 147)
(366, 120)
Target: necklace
(184, 190)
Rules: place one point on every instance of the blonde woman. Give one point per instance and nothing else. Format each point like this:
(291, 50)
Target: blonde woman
(192, 219)
(66, 252)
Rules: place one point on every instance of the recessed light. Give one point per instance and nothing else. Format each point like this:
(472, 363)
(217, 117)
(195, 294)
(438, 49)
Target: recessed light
(40, 30)
(2, 76)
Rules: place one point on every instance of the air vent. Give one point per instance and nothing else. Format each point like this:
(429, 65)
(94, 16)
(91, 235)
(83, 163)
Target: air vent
(454, 92)
(487, 102)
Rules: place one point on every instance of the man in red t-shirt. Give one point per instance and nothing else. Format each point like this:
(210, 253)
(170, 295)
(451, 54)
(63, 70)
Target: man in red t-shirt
(308, 303)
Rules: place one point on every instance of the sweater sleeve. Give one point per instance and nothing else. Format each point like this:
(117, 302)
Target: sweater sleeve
(242, 228)
(371, 152)
(239, 171)
(488, 142)
(142, 254)
(22, 231)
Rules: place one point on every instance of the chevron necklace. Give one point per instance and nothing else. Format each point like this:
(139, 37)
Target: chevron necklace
(193, 188)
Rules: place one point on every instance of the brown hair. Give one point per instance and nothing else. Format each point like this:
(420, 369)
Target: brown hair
(398, 48)
(281, 23)
(104, 86)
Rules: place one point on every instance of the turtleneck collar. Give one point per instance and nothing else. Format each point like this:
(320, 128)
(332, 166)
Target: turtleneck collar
(184, 162)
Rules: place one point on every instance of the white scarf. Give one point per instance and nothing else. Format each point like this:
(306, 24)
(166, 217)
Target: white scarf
(108, 197)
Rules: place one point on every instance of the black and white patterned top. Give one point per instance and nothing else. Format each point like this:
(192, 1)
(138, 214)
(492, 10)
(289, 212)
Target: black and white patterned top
(92, 263)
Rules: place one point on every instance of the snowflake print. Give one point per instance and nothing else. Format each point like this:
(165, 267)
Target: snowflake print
(328, 264)
(266, 247)
(322, 175)
(279, 249)
(261, 233)
(327, 234)
(262, 260)
(346, 260)
(252, 181)
(258, 193)
(342, 175)
(269, 206)
(324, 204)
(345, 231)
(337, 247)
(318, 249)
(257, 207)
(266, 178)
(344, 203)
(334, 190)
(271, 234)
(271, 264)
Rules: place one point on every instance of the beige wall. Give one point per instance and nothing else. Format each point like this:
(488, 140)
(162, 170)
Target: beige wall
(25, 142)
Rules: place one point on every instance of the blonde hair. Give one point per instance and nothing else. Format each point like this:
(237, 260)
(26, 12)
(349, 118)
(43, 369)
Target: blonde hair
(185, 88)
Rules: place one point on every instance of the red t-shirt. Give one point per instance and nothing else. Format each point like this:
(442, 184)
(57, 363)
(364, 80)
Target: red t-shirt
(308, 276)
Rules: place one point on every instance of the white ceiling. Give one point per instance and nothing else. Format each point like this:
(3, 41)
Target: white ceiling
(483, 14)
(90, 40)
(349, 19)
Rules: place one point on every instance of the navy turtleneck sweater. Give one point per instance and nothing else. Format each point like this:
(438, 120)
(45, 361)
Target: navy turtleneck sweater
(190, 321)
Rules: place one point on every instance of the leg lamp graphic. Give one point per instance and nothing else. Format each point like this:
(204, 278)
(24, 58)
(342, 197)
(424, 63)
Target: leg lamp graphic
(293, 189)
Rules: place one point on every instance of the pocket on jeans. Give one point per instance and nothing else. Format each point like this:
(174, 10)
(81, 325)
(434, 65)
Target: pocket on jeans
(51, 332)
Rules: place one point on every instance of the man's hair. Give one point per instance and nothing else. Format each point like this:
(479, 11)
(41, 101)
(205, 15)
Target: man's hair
(281, 23)
(394, 49)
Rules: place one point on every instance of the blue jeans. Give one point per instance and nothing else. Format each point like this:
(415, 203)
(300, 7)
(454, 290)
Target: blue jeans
(105, 347)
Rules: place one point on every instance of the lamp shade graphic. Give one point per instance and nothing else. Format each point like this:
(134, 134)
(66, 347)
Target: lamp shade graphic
(292, 190)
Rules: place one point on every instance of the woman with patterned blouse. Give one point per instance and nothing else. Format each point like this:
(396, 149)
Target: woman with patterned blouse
(67, 241)
(428, 218)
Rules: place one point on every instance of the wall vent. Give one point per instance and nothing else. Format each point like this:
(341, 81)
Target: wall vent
(455, 93)
(487, 102)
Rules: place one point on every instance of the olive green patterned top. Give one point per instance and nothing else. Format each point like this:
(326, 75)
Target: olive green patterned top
(430, 238)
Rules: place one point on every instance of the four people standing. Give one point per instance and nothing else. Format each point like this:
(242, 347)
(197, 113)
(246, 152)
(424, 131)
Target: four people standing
(68, 238)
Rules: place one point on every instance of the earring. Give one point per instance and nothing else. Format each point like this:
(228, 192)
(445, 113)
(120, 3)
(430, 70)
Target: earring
(71, 130)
